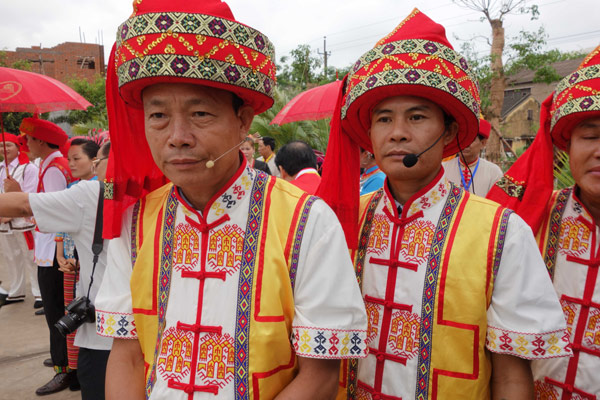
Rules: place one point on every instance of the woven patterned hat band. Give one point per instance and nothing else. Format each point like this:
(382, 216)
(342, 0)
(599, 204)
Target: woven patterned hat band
(189, 45)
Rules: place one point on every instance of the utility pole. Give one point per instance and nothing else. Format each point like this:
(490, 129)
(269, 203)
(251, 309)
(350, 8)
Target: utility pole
(325, 54)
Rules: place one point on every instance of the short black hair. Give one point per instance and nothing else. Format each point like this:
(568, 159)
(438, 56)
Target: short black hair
(295, 156)
(89, 147)
(268, 141)
(105, 149)
(236, 102)
(53, 146)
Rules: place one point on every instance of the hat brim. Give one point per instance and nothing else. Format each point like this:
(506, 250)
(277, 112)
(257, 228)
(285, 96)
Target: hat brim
(358, 116)
(562, 130)
(131, 92)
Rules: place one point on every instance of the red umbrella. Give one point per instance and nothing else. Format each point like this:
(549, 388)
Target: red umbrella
(313, 104)
(23, 91)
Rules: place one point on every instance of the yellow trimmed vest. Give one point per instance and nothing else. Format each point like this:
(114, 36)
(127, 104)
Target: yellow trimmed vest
(264, 358)
(460, 252)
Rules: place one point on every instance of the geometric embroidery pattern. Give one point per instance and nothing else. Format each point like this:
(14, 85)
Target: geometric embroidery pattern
(225, 249)
(298, 239)
(134, 227)
(545, 391)
(246, 285)
(416, 241)
(164, 277)
(500, 242)
(175, 358)
(186, 251)
(380, 231)
(430, 291)
(574, 237)
(374, 314)
(216, 359)
(404, 333)
(591, 335)
(554, 230)
(327, 343)
(527, 345)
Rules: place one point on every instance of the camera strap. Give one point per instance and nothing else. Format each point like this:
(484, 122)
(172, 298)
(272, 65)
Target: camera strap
(98, 242)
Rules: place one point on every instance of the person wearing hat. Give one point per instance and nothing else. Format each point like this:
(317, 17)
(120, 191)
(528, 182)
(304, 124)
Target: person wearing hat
(470, 171)
(456, 292)
(225, 282)
(44, 139)
(16, 238)
(567, 223)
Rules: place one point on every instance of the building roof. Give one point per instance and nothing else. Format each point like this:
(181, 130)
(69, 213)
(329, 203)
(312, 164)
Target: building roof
(512, 98)
(563, 68)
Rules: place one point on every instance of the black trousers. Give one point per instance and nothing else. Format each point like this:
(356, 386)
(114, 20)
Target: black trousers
(50, 280)
(91, 372)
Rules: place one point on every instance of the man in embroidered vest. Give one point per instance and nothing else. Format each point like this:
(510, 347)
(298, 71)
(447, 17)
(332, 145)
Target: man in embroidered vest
(44, 139)
(225, 283)
(567, 225)
(470, 171)
(16, 238)
(456, 293)
(297, 163)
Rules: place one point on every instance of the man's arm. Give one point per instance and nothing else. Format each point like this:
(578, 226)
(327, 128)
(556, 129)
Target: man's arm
(15, 205)
(125, 371)
(511, 378)
(317, 379)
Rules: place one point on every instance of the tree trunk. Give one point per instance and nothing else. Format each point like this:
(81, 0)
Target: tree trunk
(498, 84)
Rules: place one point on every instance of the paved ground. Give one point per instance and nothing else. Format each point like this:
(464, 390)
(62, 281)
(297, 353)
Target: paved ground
(24, 345)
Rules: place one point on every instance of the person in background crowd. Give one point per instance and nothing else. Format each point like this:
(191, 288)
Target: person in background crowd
(247, 148)
(297, 164)
(74, 211)
(371, 179)
(81, 155)
(471, 172)
(567, 223)
(266, 149)
(43, 140)
(449, 279)
(241, 279)
(16, 236)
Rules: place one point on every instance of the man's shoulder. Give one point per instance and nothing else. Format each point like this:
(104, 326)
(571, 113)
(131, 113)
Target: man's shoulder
(158, 194)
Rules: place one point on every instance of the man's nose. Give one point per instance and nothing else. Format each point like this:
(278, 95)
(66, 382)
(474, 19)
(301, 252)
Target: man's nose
(180, 132)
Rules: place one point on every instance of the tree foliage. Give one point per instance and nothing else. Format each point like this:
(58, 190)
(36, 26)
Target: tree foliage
(94, 117)
(299, 69)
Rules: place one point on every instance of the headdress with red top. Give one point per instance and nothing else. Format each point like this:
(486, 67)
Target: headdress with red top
(43, 130)
(9, 137)
(174, 41)
(415, 59)
(484, 128)
(527, 186)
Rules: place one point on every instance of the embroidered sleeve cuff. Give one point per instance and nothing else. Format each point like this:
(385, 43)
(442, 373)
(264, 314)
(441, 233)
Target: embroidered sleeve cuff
(531, 346)
(115, 325)
(314, 342)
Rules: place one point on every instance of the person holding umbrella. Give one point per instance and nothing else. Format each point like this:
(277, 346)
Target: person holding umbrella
(16, 239)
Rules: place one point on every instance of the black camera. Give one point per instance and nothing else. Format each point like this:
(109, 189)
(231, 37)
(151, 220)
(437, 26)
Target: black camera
(79, 311)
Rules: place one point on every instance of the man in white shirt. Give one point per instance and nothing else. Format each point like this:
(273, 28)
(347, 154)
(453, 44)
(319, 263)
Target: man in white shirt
(266, 148)
(16, 238)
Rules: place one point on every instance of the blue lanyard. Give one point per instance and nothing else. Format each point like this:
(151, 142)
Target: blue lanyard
(462, 177)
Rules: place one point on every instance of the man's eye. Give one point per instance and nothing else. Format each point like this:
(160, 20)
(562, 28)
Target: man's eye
(157, 115)
(384, 119)
(200, 113)
(417, 117)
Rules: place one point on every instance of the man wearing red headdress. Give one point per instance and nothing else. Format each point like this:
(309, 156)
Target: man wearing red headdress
(16, 239)
(470, 171)
(226, 282)
(567, 223)
(456, 293)
(44, 139)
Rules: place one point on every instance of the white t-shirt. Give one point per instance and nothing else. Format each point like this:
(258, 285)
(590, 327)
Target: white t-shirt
(74, 211)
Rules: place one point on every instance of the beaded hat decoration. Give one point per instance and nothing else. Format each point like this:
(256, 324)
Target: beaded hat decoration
(415, 59)
(43, 130)
(577, 97)
(193, 42)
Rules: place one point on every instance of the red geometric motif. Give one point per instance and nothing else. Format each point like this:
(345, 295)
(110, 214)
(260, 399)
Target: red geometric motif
(380, 231)
(216, 359)
(416, 241)
(186, 241)
(225, 249)
(591, 335)
(373, 317)
(404, 333)
(545, 391)
(570, 311)
(362, 394)
(175, 358)
(574, 237)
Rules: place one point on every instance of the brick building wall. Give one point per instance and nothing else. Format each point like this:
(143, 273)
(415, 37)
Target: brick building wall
(64, 61)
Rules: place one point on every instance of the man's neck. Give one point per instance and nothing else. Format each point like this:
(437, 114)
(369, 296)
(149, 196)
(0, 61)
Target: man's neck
(592, 204)
(468, 161)
(268, 157)
(46, 152)
(403, 190)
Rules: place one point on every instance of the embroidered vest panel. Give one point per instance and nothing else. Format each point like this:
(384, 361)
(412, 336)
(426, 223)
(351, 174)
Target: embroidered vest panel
(264, 359)
(461, 266)
(63, 166)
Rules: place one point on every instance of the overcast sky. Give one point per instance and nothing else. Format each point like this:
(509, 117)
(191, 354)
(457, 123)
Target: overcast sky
(351, 26)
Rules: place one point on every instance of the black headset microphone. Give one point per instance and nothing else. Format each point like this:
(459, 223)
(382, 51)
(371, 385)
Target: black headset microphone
(410, 160)
(211, 163)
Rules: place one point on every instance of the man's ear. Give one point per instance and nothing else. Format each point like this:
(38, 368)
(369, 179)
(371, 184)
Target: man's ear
(245, 115)
(451, 132)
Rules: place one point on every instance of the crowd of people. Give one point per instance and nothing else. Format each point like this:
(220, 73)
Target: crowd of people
(186, 269)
